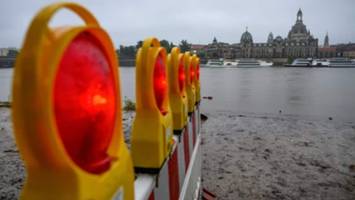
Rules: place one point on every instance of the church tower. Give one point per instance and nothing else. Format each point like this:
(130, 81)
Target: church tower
(326, 40)
(299, 15)
(270, 38)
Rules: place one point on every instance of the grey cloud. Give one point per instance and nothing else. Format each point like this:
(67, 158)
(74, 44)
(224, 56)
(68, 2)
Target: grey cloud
(197, 21)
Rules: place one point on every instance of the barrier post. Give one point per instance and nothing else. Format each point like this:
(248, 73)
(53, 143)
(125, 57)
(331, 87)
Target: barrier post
(177, 90)
(196, 64)
(195, 70)
(190, 87)
(152, 127)
(66, 111)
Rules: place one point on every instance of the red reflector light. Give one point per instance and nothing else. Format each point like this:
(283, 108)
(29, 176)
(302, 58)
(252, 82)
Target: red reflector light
(181, 72)
(160, 83)
(85, 103)
(192, 74)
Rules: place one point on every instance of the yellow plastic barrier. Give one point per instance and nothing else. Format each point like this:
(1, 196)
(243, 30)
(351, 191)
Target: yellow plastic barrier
(66, 112)
(196, 79)
(177, 91)
(152, 127)
(190, 86)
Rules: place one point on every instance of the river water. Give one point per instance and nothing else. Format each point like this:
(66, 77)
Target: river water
(309, 92)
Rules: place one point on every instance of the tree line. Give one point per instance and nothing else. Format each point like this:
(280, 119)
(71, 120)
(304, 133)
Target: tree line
(129, 52)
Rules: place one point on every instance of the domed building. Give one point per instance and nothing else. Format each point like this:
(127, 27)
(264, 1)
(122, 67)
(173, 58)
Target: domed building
(246, 44)
(299, 43)
(299, 30)
(246, 38)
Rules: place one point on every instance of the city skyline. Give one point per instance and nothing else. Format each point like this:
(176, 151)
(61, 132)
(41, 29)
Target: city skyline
(198, 22)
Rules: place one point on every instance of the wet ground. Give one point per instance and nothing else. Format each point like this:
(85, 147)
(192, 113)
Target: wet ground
(249, 156)
(246, 156)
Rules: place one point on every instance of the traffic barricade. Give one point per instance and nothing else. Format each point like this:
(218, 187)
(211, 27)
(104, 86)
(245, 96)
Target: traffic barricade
(152, 131)
(67, 111)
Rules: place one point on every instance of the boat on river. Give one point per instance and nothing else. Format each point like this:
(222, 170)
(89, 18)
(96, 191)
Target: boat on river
(253, 63)
(248, 63)
(300, 62)
(320, 63)
(332, 62)
(215, 63)
(238, 63)
(341, 63)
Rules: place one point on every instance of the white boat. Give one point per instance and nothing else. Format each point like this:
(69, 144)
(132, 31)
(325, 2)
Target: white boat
(264, 63)
(214, 63)
(238, 63)
(320, 63)
(341, 63)
(230, 63)
(300, 62)
(248, 63)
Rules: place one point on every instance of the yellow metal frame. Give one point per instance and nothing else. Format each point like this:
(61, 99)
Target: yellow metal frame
(196, 61)
(190, 87)
(152, 134)
(178, 99)
(51, 174)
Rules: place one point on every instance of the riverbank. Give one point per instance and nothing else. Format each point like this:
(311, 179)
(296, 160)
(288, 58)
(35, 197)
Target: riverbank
(249, 156)
(246, 156)
(12, 172)
(11, 167)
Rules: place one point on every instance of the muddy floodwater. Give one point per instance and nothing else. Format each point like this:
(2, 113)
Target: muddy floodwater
(312, 92)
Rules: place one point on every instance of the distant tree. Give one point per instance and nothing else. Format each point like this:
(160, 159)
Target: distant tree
(127, 52)
(139, 44)
(131, 51)
(168, 46)
(184, 46)
(118, 53)
(165, 44)
(172, 45)
(12, 53)
(202, 54)
(289, 60)
(120, 50)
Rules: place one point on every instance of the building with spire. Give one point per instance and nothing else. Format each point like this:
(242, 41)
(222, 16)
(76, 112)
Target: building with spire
(326, 51)
(326, 41)
(299, 43)
(270, 38)
(218, 49)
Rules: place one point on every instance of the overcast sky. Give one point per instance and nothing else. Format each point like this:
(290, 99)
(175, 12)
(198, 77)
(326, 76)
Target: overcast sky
(197, 21)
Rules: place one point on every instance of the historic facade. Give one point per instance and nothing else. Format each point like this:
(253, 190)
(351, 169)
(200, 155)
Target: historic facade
(326, 51)
(299, 43)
